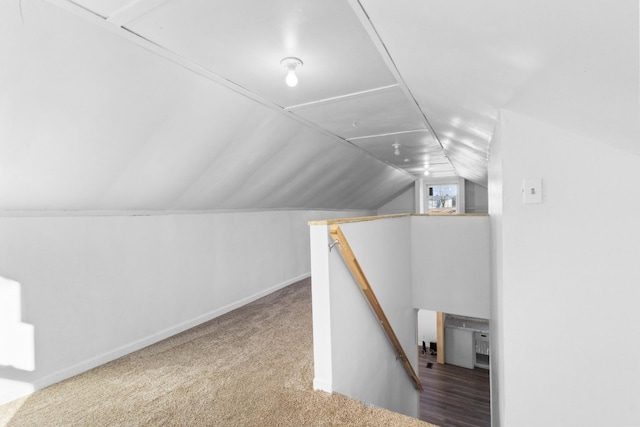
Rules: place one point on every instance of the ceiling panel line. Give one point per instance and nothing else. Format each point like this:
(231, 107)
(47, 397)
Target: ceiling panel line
(71, 6)
(341, 97)
(133, 10)
(388, 134)
(368, 26)
(176, 58)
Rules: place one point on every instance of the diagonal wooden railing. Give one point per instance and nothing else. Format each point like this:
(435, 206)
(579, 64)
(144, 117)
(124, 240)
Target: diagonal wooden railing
(349, 258)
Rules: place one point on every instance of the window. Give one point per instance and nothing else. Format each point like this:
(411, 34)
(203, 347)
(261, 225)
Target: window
(443, 199)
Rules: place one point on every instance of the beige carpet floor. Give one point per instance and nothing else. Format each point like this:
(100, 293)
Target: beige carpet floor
(250, 367)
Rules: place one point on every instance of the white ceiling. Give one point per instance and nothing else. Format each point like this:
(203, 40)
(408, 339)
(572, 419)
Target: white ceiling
(348, 85)
(176, 104)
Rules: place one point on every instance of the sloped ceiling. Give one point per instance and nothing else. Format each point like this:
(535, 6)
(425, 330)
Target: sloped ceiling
(181, 104)
(571, 63)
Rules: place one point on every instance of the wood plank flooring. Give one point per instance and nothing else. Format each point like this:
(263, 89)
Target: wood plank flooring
(454, 396)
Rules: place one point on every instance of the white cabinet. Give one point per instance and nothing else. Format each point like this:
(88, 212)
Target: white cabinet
(459, 347)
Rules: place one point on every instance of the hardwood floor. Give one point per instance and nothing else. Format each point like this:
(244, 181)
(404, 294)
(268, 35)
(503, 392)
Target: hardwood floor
(454, 396)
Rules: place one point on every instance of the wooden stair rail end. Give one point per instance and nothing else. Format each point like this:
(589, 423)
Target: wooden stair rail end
(352, 263)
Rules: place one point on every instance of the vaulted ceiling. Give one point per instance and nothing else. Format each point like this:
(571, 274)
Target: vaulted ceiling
(182, 104)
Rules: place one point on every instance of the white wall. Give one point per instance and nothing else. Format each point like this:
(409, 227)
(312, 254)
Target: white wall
(497, 284)
(353, 355)
(403, 203)
(97, 287)
(427, 327)
(321, 308)
(567, 278)
(476, 198)
(451, 265)
(440, 263)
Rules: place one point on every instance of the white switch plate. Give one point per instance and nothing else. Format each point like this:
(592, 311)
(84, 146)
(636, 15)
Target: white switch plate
(532, 191)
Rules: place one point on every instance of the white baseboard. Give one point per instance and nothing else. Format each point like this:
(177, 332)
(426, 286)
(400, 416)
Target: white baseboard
(322, 385)
(86, 365)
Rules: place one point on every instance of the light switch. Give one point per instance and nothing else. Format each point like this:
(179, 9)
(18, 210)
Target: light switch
(532, 191)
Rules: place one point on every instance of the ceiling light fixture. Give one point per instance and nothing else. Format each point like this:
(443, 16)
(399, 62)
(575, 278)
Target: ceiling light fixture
(291, 63)
(397, 148)
(426, 171)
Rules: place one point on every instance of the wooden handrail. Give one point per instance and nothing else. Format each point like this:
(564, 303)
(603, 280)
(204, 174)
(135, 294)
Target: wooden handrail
(378, 217)
(350, 259)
